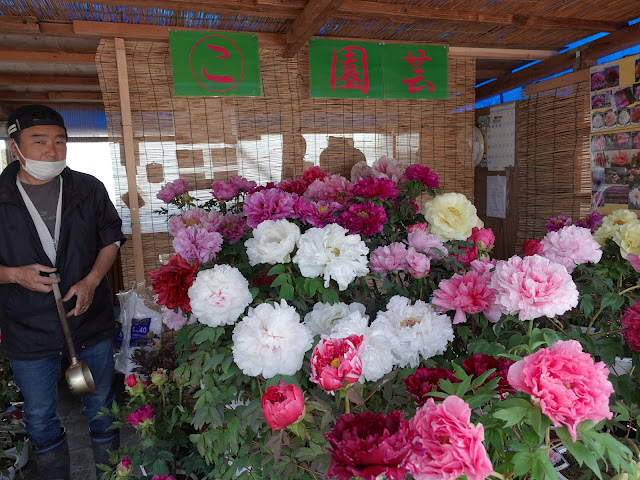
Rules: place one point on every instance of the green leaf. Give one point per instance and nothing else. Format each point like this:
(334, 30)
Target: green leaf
(522, 463)
(580, 452)
(542, 468)
(207, 333)
(612, 300)
(280, 279)
(512, 415)
(286, 292)
(276, 270)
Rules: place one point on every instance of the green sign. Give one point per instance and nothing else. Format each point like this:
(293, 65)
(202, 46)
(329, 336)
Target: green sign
(215, 64)
(415, 71)
(345, 69)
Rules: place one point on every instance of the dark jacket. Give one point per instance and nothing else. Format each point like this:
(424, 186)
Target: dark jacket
(29, 320)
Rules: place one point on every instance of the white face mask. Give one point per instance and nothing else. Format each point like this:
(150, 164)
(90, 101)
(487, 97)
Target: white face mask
(40, 169)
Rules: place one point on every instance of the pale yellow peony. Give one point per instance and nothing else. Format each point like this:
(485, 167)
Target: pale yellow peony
(628, 239)
(451, 217)
(612, 223)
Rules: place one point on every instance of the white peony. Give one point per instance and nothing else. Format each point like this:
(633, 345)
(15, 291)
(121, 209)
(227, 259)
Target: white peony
(321, 319)
(271, 341)
(332, 253)
(418, 329)
(272, 242)
(628, 239)
(219, 295)
(451, 217)
(612, 223)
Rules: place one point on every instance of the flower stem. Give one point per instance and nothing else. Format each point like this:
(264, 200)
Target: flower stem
(530, 327)
(593, 319)
(629, 289)
(347, 406)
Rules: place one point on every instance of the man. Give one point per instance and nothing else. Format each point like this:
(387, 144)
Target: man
(53, 219)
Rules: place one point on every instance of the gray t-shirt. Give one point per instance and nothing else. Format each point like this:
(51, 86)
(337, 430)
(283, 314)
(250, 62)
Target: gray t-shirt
(45, 199)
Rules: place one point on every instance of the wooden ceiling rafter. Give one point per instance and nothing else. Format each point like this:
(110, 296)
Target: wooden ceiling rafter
(9, 96)
(58, 80)
(48, 57)
(315, 14)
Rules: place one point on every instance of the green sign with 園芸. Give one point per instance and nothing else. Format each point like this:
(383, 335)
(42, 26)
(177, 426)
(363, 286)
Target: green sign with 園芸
(415, 71)
(215, 64)
(345, 69)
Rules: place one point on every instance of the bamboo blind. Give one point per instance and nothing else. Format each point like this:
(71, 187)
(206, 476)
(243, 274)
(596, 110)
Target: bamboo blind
(552, 158)
(268, 138)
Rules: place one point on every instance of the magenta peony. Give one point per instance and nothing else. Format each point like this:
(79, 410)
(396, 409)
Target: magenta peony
(593, 221)
(162, 477)
(242, 183)
(171, 190)
(566, 383)
(336, 360)
(479, 363)
(141, 417)
(317, 214)
(271, 204)
(452, 446)
(556, 223)
(195, 243)
(363, 219)
(370, 446)
(533, 287)
(422, 174)
(631, 321)
(425, 381)
(483, 238)
(382, 188)
(468, 293)
(571, 246)
(233, 227)
(123, 469)
(531, 247)
(312, 174)
(224, 191)
(282, 405)
(467, 255)
(418, 227)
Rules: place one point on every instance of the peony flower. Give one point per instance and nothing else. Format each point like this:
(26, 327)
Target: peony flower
(417, 227)
(363, 218)
(335, 361)
(317, 214)
(422, 174)
(334, 188)
(293, 186)
(134, 386)
(571, 246)
(612, 223)
(425, 381)
(321, 319)
(162, 477)
(195, 217)
(171, 190)
(331, 253)
(531, 247)
(219, 295)
(360, 170)
(387, 167)
(533, 287)
(175, 320)
(451, 217)
(631, 321)
(390, 258)
(427, 243)
(123, 469)
(312, 174)
(483, 238)
(171, 282)
(484, 267)
(418, 330)
(469, 293)
(370, 446)
(195, 243)
(141, 417)
(381, 188)
(270, 341)
(272, 242)
(627, 237)
(634, 260)
(479, 363)
(566, 383)
(224, 191)
(159, 377)
(556, 223)
(591, 221)
(469, 254)
(282, 405)
(242, 183)
(418, 264)
(233, 227)
(271, 204)
(452, 446)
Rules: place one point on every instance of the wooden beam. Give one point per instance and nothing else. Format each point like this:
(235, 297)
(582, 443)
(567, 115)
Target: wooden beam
(56, 97)
(490, 73)
(501, 53)
(315, 14)
(563, 61)
(48, 80)
(557, 82)
(48, 57)
(14, 24)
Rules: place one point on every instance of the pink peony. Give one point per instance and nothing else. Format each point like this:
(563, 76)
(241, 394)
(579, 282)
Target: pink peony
(370, 446)
(141, 417)
(631, 321)
(386, 167)
(469, 293)
(282, 405)
(467, 255)
(571, 246)
(531, 247)
(533, 287)
(360, 170)
(317, 214)
(484, 268)
(425, 381)
(191, 218)
(483, 238)
(336, 360)
(422, 174)
(382, 188)
(269, 204)
(312, 174)
(566, 383)
(224, 191)
(427, 243)
(242, 183)
(634, 260)
(452, 446)
(331, 189)
(171, 190)
(418, 264)
(418, 227)
(194, 243)
(233, 227)
(175, 320)
(390, 258)
(363, 219)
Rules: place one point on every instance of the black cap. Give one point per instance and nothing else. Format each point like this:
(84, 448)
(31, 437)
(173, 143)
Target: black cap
(31, 116)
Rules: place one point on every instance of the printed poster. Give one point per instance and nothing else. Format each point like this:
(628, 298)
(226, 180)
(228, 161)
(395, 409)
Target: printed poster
(501, 137)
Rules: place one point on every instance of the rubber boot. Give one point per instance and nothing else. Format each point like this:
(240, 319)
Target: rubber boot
(53, 460)
(101, 444)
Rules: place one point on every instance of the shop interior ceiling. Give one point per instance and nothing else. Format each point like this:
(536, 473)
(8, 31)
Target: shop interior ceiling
(47, 48)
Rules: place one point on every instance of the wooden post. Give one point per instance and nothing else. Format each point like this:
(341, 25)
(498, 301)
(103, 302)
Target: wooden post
(130, 160)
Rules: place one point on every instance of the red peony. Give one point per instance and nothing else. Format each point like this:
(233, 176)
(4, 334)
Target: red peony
(293, 186)
(381, 188)
(369, 445)
(480, 363)
(312, 174)
(422, 174)
(171, 283)
(363, 218)
(631, 320)
(141, 417)
(531, 247)
(282, 405)
(427, 380)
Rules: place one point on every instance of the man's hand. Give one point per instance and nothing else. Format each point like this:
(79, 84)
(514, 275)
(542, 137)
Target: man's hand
(29, 277)
(83, 290)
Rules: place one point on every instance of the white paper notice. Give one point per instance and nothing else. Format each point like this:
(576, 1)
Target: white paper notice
(501, 138)
(496, 196)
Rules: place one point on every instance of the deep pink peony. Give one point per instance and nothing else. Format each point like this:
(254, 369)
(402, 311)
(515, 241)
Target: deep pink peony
(468, 255)
(390, 258)
(593, 221)
(162, 477)
(233, 227)
(336, 360)
(363, 219)
(282, 405)
(469, 293)
(317, 214)
(312, 174)
(422, 174)
(484, 267)
(272, 204)
(533, 287)
(452, 445)
(427, 380)
(382, 188)
(293, 186)
(566, 383)
(479, 363)
(556, 223)
(571, 246)
(531, 247)
(195, 243)
(171, 190)
(124, 467)
(331, 189)
(369, 445)
(631, 321)
(418, 264)
(141, 417)
(418, 227)
(242, 183)
(427, 243)
(224, 191)
(483, 238)
(191, 218)
(171, 283)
